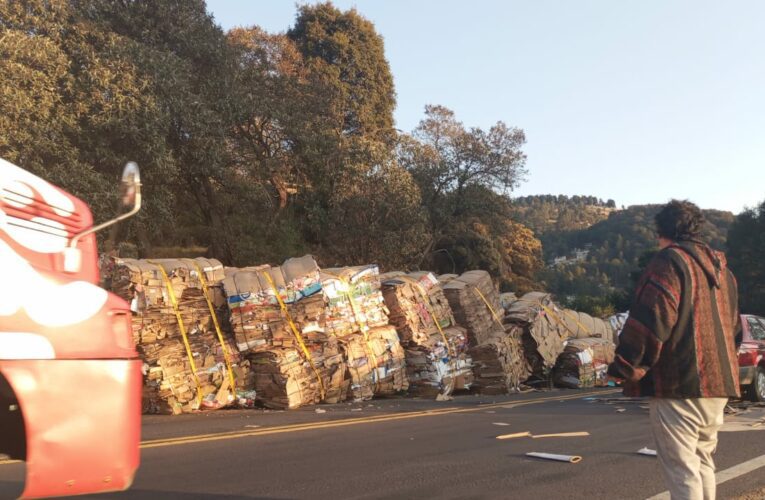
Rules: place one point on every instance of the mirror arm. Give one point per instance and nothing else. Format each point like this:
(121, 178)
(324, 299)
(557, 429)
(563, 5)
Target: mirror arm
(76, 238)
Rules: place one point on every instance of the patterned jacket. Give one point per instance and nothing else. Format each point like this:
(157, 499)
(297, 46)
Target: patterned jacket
(679, 339)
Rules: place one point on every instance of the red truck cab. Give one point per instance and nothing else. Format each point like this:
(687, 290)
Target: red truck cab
(751, 356)
(70, 377)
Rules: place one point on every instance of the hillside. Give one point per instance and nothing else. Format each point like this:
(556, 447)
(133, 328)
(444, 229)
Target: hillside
(610, 252)
(544, 213)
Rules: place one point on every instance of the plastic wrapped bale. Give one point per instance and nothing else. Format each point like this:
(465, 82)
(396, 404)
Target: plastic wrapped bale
(284, 378)
(416, 303)
(500, 365)
(544, 332)
(173, 381)
(354, 300)
(433, 370)
(475, 304)
(581, 325)
(583, 363)
(256, 317)
(376, 363)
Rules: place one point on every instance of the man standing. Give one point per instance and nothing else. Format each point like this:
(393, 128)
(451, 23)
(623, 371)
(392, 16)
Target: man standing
(678, 347)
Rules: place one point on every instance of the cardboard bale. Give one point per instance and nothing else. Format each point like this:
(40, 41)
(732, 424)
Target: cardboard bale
(583, 363)
(171, 385)
(466, 295)
(285, 379)
(436, 349)
(354, 300)
(499, 364)
(544, 332)
(256, 317)
(376, 363)
(431, 368)
(416, 303)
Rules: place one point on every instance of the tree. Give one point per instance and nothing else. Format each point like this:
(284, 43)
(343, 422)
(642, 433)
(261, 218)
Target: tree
(347, 52)
(74, 106)
(464, 176)
(746, 256)
(184, 64)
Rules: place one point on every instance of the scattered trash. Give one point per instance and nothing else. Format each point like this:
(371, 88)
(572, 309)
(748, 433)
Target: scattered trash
(561, 434)
(572, 459)
(444, 397)
(621, 410)
(647, 451)
(500, 423)
(514, 435)
(320, 410)
(357, 409)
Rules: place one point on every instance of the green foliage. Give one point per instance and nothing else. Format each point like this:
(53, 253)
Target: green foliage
(618, 248)
(463, 175)
(254, 146)
(746, 257)
(547, 213)
(348, 54)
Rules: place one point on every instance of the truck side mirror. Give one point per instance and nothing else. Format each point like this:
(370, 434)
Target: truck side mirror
(130, 198)
(130, 188)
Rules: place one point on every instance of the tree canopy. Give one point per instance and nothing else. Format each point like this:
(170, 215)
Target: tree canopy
(255, 146)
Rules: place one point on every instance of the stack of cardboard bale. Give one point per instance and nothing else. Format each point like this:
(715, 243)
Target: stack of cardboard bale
(358, 318)
(437, 361)
(171, 385)
(498, 363)
(583, 363)
(543, 330)
(278, 316)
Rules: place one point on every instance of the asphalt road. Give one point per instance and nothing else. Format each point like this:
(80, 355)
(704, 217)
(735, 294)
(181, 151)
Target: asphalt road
(409, 448)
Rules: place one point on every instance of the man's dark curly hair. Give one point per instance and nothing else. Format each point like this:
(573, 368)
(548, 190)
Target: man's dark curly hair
(679, 220)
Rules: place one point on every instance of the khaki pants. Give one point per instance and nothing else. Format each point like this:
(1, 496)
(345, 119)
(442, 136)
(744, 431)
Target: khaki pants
(685, 431)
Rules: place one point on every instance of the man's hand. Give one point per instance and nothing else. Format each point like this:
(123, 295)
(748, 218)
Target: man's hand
(615, 380)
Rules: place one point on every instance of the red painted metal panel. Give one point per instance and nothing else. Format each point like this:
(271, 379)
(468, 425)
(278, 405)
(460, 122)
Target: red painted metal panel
(82, 420)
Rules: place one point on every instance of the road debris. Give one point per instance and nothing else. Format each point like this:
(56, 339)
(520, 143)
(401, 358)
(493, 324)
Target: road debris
(500, 423)
(561, 434)
(573, 459)
(514, 435)
(647, 451)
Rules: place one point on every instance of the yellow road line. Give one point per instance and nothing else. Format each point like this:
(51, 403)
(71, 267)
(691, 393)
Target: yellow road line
(202, 438)
(354, 421)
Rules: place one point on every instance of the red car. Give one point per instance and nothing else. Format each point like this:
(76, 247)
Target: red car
(751, 356)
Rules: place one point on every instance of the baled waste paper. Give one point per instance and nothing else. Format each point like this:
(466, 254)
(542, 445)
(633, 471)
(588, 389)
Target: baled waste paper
(190, 362)
(436, 349)
(583, 363)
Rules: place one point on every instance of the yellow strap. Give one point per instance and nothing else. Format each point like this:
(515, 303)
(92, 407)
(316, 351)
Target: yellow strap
(429, 305)
(295, 332)
(493, 313)
(182, 328)
(576, 320)
(206, 291)
(557, 318)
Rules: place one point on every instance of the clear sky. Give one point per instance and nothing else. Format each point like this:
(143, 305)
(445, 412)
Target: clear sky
(638, 101)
